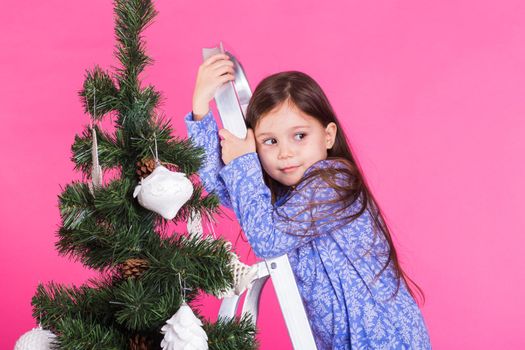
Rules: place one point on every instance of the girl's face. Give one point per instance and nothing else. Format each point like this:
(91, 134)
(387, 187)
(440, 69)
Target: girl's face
(289, 141)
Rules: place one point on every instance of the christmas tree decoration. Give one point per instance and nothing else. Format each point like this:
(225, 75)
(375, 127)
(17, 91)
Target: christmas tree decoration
(133, 268)
(164, 192)
(243, 276)
(35, 339)
(145, 166)
(184, 331)
(194, 224)
(96, 171)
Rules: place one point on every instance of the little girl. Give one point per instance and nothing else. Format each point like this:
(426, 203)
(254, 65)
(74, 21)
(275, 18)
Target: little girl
(295, 188)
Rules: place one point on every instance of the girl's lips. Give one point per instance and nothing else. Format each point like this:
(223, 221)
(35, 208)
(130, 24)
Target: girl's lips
(289, 169)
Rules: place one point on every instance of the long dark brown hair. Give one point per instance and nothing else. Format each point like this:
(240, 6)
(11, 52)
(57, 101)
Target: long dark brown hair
(303, 92)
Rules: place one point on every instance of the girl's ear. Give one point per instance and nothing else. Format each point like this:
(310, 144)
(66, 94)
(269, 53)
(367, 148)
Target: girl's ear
(331, 131)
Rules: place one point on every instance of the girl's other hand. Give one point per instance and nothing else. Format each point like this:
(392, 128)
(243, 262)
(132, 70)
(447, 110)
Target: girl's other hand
(212, 74)
(234, 147)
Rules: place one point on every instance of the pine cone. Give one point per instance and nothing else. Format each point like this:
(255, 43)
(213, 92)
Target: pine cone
(132, 268)
(106, 226)
(145, 166)
(140, 342)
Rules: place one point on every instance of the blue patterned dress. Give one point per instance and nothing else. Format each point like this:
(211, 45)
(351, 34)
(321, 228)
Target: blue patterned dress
(335, 267)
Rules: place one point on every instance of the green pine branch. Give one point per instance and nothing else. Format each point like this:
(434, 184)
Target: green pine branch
(115, 201)
(76, 204)
(87, 334)
(99, 94)
(110, 152)
(133, 16)
(52, 302)
(173, 150)
(142, 307)
(232, 334)
(197, 263)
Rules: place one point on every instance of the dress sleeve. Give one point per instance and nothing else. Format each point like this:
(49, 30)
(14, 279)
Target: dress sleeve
(204, 133)
(274, 231)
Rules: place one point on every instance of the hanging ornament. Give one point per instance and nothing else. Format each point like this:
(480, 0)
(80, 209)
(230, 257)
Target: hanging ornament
(96, 169)
(194, 224)
(243, 276)
(164, 192)
(184, 331)
(35, 339)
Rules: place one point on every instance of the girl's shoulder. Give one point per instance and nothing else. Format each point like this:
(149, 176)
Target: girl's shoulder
(338, 169)
(329, 163)
(333, 173)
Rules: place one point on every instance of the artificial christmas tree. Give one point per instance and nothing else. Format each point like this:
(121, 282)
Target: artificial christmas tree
(144, 270)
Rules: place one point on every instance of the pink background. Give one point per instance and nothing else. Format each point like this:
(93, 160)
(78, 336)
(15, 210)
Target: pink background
(431, 95)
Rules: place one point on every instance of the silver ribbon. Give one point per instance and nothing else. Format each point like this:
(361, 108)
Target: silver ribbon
(233, 97)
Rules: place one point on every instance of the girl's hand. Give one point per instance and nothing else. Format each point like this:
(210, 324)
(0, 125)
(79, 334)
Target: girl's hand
(234, 147)
(212, 74)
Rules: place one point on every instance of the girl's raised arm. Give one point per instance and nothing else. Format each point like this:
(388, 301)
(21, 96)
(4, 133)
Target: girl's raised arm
(201, 125)
(212, 74)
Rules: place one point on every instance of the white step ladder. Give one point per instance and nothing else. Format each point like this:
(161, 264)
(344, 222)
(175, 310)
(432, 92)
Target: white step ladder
(288, 296)
(232, 100)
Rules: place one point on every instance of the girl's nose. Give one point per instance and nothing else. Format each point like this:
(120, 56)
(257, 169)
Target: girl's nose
(285, 151)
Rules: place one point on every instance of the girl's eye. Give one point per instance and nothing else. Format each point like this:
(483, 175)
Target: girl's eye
(269, 141)
(300, 135)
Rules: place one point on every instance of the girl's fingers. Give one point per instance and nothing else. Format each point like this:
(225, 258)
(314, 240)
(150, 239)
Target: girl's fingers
(217, 68)
(220, 65)
(225, 134)
(224, 70)
(215, 58)
(226, 77)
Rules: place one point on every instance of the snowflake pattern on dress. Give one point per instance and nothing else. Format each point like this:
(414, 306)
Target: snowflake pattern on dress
(335, 265)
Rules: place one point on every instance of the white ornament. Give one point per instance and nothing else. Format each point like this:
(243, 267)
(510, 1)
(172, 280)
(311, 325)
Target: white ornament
(194, 224)
(164, 192)
(243, 276)
(96, 170)
(35, 339)
(184, 331)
